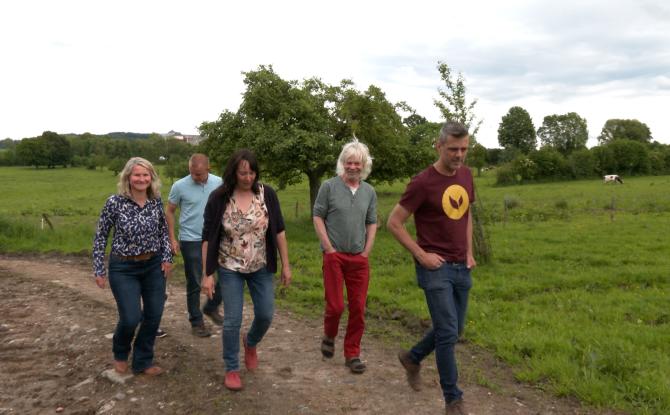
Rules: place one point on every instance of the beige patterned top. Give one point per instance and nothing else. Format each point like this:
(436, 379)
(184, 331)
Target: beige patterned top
(242, 245)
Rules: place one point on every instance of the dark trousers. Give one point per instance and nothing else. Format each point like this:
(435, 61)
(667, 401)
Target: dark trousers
(191, 251)
(446, 290)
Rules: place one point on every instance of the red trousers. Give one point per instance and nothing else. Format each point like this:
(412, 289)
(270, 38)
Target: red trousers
(353, 271)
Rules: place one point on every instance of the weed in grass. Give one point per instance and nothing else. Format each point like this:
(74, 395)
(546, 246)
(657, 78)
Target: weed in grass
(482, 380)
(561, 204)
(510, 203)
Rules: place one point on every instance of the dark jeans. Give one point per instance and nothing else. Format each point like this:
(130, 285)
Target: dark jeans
(261, 288)
(446, 290)
(191, 251)
(139, 291)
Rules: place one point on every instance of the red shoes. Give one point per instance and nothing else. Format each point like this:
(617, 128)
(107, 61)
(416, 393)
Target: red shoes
(232, 381)
(250, 356)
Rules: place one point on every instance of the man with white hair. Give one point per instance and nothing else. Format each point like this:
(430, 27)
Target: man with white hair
(345, 219)
(190, 195)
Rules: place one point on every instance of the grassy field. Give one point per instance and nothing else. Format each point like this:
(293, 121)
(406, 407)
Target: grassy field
(576, 298)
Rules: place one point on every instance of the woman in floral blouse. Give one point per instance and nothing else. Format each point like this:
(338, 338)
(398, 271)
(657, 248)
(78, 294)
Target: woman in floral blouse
(139, 263)
(243, 230)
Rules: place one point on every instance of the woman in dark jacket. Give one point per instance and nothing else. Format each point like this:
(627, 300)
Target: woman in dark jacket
(242, 232)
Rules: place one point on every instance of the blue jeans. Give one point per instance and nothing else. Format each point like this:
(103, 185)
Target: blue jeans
(191, 252)
(446, 290)
(139, 291)
(261, 288)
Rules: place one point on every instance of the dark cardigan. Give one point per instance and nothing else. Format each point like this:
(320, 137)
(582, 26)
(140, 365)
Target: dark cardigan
(212, 228)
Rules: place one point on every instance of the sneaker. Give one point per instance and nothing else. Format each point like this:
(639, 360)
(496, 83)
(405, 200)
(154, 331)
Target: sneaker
(412, 370)
(160, 333)
(214, 316)
(355, 365)
(250, 356)
(232, 380)
(456, 407)
(201, 331)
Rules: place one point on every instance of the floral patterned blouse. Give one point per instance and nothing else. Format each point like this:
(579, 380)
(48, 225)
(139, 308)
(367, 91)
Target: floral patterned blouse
(242, 247)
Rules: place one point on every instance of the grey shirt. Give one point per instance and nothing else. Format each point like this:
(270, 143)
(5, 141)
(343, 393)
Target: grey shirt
(346, 214)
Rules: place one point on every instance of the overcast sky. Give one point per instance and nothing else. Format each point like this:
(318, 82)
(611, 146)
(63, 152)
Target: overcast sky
(155, 66)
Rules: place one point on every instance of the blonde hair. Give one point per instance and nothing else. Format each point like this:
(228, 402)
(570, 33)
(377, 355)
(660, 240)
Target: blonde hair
(123, 186)
(360, 151)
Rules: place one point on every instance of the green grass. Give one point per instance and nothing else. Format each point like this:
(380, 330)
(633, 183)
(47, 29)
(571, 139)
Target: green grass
(576, 298)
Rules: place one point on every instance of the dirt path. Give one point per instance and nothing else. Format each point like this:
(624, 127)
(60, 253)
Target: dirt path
(53, 348)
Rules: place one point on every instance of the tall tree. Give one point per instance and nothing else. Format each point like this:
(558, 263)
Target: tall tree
(422, 135)
(565, 133)
(298, 128)
(59, 151)
(615, 129)
(516, 130)
(32, 152)
(453, 104)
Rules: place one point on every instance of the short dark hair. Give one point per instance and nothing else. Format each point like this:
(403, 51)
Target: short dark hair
(454, 129)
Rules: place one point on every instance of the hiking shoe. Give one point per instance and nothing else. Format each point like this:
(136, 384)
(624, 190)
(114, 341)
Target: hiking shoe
(232, 380)
(250, 356)
(327, 347)
(355, 365)
(456, 407)
(152, 371)
(214, 316)
(412, 370)
(160, 333)
(201, 331)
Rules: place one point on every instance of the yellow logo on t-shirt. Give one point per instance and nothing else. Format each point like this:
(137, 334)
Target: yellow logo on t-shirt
(455, 201)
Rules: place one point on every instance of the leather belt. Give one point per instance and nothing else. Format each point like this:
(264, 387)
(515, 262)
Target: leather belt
(140, 257)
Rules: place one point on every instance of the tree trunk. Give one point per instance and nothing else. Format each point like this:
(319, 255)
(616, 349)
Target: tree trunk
(314, 184)
(480, 240)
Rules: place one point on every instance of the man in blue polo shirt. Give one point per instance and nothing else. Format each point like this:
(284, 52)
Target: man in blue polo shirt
(190, 194)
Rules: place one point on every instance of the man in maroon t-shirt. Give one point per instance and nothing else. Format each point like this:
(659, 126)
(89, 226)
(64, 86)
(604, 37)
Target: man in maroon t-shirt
(439, 198)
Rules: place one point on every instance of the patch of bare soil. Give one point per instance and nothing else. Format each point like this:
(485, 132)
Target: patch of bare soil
(54, 343)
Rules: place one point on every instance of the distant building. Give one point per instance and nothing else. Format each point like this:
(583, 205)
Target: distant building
(190, 139)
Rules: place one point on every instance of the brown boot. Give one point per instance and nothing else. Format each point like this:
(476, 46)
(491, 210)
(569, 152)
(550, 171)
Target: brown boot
(201, 331)
(412, 370)
(152, 371)
(456, 407)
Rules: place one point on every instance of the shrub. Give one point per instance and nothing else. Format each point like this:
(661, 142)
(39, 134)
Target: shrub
(506, 175)
(631, 157)
(525, 168)
(549, 164)
(582, 164)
